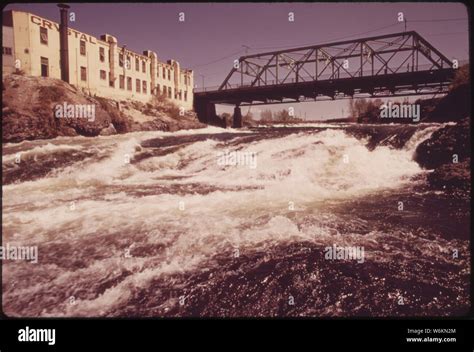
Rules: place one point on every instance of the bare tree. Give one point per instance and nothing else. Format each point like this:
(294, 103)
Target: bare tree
(266, 116)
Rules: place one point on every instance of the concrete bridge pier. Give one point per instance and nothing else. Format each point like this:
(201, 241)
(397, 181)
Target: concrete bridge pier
(210, 113)
(237, 119)
(206, 113)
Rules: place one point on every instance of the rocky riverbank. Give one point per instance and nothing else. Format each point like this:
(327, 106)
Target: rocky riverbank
(28, 112)
(448, 153)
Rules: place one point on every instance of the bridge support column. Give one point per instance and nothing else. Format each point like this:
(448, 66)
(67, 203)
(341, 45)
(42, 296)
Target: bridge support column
(206, 113)
(237, 120)
(211, 113)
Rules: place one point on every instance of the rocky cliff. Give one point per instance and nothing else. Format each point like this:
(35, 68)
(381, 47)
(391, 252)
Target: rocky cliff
(448, 153)
(30, 104)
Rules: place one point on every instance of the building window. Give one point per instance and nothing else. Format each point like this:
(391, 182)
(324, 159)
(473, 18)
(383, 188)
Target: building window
(121, 60)
(83, 74)
(128, 62)
(122, 82)
(137, 85)
(7, 51)
(101, 54)
(169, 75)
(44, 35)
(144, 89)
(185, 80)
(83, 47)
(111, 81)
(137, 64)
(164, 72)
(129, 83)
(158, 89)
(185, 95)
(169, 92)
(143, 66)
(158, 72)
(103, 75)
(164, 90)
(44, 67)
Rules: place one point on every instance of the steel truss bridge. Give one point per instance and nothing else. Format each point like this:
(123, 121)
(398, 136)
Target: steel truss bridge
(398, 64)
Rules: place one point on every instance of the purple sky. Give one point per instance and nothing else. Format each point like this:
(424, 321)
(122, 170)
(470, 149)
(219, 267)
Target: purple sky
(214, 33)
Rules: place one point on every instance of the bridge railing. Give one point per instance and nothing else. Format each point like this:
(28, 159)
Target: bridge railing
(342, 74)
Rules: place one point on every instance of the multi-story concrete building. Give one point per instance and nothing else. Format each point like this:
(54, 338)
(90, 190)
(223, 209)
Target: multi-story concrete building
(99, 66)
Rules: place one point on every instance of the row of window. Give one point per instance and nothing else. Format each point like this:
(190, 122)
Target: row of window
(178, 95)
(166, 73)
(140, 86)
(82, 50)
(129, 62)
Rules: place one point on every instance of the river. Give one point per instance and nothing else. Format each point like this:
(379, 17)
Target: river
(153, 224)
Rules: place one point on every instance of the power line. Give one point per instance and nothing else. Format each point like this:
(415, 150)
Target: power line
(441, 20)
(217, 60)
(366, 32)
(441, 34)
(339, 38)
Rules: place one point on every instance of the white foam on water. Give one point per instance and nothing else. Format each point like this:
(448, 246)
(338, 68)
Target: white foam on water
(39, 150)
(305, 169)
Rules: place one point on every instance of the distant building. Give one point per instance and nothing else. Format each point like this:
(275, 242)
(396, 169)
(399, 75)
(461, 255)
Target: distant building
(99, 66)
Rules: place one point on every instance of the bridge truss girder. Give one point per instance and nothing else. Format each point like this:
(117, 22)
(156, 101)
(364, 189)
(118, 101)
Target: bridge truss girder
(366, 57)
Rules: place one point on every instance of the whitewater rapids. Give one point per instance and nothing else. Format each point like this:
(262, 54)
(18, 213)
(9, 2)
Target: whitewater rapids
(150, 224)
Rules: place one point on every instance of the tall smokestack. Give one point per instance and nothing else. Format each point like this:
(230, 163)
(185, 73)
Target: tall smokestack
(63, 42)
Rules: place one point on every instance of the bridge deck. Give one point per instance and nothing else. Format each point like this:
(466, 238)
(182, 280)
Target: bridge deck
(409, 83)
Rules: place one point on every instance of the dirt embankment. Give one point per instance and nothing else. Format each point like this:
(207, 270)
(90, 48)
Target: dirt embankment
(30, 105)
